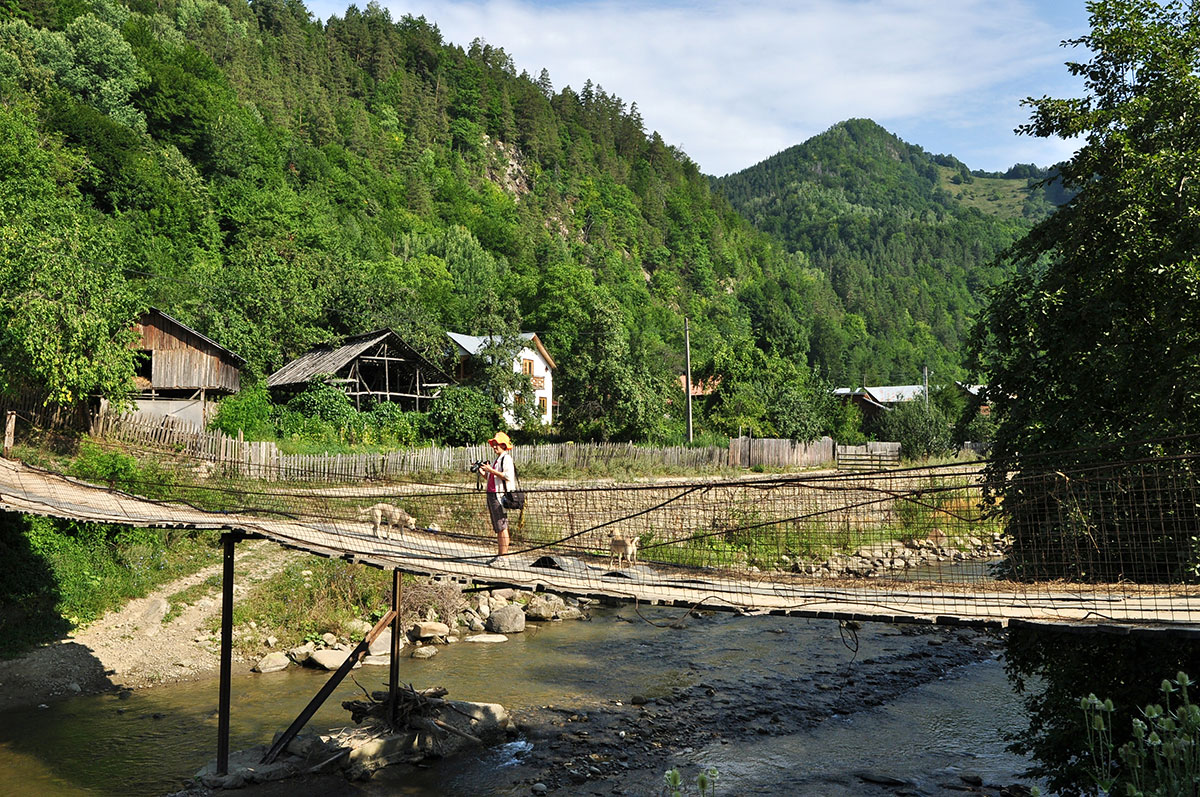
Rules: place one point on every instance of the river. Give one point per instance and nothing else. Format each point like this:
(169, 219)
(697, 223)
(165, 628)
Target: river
(777, 705)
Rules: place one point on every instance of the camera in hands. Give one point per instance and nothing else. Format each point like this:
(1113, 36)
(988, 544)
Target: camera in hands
(476, 465)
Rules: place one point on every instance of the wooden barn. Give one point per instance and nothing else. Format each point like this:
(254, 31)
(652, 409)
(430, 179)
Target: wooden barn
(181, 372)
(375, 366)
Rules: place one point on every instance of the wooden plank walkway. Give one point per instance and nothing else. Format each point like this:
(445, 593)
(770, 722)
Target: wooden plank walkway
(1112, 607)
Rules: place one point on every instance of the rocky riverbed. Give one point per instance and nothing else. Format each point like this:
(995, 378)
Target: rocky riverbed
(714, 704)
(709, 703)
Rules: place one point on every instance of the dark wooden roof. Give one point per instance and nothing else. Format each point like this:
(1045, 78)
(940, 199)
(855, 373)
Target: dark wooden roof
(331, 359)
(220, 350)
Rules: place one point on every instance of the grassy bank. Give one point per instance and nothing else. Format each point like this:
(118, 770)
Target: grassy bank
(59, 575)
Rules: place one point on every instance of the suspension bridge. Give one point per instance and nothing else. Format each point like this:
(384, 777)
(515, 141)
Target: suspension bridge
(912, 545)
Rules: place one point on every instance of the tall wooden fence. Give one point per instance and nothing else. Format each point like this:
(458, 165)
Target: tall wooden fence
(870, 456)
(236, 457)
(747, 452)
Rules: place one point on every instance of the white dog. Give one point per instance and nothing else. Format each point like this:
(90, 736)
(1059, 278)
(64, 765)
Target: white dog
(393, 516)
(621, 547)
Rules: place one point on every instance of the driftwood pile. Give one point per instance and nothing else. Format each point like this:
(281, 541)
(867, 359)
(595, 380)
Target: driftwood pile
(409, 710)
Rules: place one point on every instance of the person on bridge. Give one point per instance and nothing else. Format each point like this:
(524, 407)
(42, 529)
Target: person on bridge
(502, 475)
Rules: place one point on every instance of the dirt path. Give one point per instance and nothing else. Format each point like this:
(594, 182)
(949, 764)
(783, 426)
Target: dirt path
(133, 647)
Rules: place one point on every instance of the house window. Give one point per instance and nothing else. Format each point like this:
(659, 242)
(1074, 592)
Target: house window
(518, 399)
(542, 404)
(527, 367)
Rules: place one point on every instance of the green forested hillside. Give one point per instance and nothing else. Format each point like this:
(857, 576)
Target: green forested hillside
(276, 183)
(905, 238)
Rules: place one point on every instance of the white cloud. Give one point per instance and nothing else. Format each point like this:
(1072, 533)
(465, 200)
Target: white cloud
(733, 83)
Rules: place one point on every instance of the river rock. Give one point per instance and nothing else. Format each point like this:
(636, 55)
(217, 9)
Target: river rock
(507, 593)
(330, 659)
(382, 646)
(507, 620)
(301, 654)
(570, 613)
(487, 638)
(475, 624)
(424, 652)
(543, 606)
(359, 628)
(329, 639)
(429, 630)
(272, 662)
(376, 661)
(484, 609)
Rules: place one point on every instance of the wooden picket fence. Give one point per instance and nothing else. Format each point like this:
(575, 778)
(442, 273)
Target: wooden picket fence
(233, 456)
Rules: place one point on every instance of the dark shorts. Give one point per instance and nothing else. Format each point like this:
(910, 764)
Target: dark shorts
(499, 516)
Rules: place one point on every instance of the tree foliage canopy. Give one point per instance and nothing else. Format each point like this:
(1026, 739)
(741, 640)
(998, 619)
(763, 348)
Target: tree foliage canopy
(1094, 345)
(1097, 338)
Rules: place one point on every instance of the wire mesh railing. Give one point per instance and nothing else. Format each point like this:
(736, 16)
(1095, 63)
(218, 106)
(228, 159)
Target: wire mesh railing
(1097, 542)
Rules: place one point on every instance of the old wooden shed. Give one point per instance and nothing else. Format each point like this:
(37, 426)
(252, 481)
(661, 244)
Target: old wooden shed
(374, 366)
(181, 372)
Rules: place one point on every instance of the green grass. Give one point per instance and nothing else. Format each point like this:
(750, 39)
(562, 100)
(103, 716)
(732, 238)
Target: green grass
(991, 195)
(190, 595)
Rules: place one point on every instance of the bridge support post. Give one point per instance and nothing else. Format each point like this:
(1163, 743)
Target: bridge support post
(230, 539)
(394, 668)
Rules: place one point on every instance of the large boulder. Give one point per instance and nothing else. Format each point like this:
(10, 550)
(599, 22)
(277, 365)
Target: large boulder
(507, 620)
(382, 646)
(429, 630)
(543, 606)
(272, 662)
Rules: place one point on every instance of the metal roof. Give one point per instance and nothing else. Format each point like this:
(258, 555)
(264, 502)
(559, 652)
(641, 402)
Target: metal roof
(895, 394)
(471, 345)
(330, 359)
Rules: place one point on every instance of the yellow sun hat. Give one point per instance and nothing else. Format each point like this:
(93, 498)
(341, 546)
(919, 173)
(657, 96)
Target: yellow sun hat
(502, 440)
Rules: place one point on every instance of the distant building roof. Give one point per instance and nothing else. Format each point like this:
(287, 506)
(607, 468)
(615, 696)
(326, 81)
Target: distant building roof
(471, 345)
(701, 387)
(895, 394)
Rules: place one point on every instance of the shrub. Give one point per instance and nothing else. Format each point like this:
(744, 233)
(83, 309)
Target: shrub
(113, 468)
(248, 411)
(325, 403)
(395, 426)
(463, 416)
(921, 431)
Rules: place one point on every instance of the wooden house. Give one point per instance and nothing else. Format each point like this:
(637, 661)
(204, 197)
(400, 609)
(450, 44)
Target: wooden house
(372, 367)
(181, 372)
(532, 360)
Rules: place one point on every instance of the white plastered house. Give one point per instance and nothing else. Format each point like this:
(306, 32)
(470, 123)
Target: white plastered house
(533, 360)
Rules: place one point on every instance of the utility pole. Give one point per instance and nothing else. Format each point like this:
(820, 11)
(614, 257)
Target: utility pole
(687, 344)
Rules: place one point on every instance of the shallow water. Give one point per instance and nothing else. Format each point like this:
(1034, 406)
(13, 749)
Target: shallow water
(153, 741)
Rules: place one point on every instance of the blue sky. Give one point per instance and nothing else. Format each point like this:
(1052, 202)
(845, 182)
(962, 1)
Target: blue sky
(732, 83)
